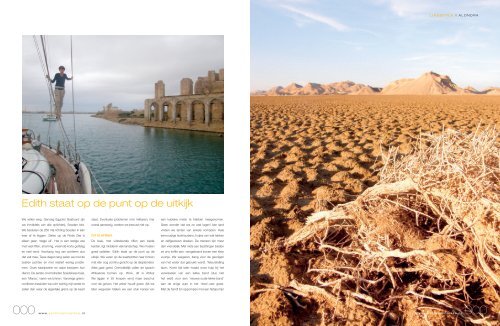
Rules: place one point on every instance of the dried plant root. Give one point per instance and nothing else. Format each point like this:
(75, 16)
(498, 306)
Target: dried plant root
(426, 235)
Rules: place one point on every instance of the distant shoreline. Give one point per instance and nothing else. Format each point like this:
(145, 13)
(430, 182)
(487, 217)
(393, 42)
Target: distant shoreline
(138, 119)
(45, 112)
(126, 121)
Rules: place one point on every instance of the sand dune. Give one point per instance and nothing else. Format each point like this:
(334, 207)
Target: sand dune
(311, 89)
(492, 91)
(471, 90)
(364, 90)
(430, 83)
(278, 90)
(337, 88)
(292, 88)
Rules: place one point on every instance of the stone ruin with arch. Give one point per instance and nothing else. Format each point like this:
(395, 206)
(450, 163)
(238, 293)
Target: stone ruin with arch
(200, 106)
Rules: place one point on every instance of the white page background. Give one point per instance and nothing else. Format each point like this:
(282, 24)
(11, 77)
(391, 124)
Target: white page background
(187, 17)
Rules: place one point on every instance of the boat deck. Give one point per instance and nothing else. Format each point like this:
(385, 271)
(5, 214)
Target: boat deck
(65, 174)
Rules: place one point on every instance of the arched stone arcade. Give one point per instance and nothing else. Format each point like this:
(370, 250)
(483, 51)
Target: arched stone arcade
(194, 109)
(196, 112)
(154, 111)
(200, 105)
(216, 107)
(198, 108)
(164, 111)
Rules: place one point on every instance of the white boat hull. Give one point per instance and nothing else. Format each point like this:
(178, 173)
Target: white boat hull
(85, 179)
(36, 172)
(50, 117)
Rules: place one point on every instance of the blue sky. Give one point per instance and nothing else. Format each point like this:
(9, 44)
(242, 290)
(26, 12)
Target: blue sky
(373, 41)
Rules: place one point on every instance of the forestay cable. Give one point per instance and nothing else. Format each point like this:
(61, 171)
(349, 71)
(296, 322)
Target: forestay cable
(72, 88)
(73, 155)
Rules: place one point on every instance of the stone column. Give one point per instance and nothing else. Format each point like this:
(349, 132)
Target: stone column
(147, 110)
(174, 111)
(222, 110)
(189, 109)
(157, 112)
(207, 112)
(160, 116)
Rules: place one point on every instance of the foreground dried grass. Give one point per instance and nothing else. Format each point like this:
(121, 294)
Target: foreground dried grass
(419, 247)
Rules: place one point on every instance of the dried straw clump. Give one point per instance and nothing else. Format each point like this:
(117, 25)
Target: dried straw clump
(421, 246)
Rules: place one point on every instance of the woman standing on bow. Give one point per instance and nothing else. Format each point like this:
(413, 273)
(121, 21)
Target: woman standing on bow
(59, 78)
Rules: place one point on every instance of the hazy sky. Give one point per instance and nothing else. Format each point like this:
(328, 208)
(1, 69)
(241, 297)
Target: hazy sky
(118, 69)
(373, 41)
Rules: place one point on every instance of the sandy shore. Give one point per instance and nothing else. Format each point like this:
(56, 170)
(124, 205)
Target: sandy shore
(217, 128)
(123, 120)
(311, 153)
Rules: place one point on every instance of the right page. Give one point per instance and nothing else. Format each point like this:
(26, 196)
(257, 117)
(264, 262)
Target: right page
(374, 162)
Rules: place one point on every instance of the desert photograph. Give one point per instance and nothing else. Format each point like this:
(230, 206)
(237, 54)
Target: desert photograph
(374, 163)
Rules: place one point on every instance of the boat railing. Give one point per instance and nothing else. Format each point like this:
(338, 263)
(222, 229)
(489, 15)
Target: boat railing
(95, 182)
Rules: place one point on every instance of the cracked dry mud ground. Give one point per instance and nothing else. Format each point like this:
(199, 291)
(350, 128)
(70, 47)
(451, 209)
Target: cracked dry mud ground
(310, 153)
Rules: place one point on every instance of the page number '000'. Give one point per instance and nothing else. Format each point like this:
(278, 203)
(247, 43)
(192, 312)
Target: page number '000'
(23, 310)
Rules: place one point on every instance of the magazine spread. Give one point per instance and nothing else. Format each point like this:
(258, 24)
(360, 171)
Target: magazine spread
(262, 162)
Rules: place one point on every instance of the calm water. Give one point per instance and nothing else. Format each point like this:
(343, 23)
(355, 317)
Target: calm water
(133, 159)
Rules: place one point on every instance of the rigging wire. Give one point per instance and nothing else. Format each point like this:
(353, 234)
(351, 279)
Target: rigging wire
(74, 116)
(52, 100)
(67, 145)
(44, 70)
(45, 54)
(72, 88)
(45, 67)
(47, 83)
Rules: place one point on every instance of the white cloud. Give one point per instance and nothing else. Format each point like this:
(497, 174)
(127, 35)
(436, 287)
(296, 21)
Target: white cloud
(477, 45)
(451, 40)
(416, 58)
(408, 8)
(483, 29)
(461, 39)
(434, 57)
(316, 17)
(284, 2)
(486, 3)
(450, 58)
(415, 8)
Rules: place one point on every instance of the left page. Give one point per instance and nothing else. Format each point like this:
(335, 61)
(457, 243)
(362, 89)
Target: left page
(132, 197)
